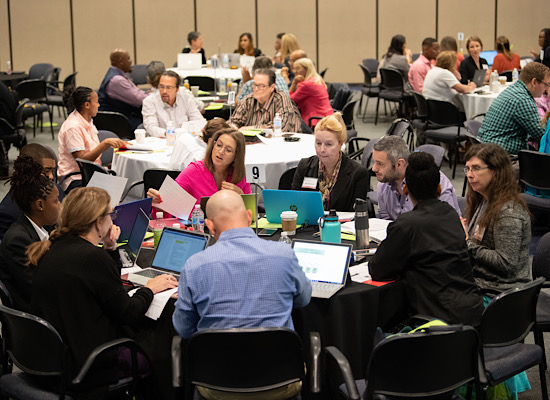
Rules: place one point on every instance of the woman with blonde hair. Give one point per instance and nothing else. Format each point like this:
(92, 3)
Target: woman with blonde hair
(309, 91)
(505, 60)
(246, 46)
(76, 284)
(339, 179)
(289, 43)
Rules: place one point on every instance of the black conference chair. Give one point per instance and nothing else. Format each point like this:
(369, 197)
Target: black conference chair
(372, 65)
(115, 122)
(533, 171)
(55, 98)
(34, 90)
(400, 127)
(417, 365)
(391, 90)
(205, 83)
(447, 116)
(152, 179)
(12, 129)
(285, 181)
(107, 155)
(36, 348)
(355, 147)
(41, 71)
(436, 151)
(541, 267)
(240, 360)
(139, 74)
(323, 72)
(369, 89)
(87, 169)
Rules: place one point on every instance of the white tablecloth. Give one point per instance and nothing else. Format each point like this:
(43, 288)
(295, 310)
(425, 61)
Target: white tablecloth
(211, 72)
(475, 104)
(276, 154)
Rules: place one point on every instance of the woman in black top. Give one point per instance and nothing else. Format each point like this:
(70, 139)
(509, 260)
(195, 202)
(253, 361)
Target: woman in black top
(474, 62)
(195, 45)
(246, 46)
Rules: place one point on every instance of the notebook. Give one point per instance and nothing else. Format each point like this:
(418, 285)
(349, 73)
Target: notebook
(127, 213)
(189, 61)
(325, 264)
(308, 205)
(248, 199)
(129, 252)
(174, 249)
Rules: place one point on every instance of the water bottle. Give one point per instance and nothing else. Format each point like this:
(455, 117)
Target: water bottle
(158, 226)
(330, 228)
(8, 66)
(191, 128)
(221, 85)
(285, 239)
(170, 134)
(197, 217)
(515, 75)
(277, 125)
(186, 84)
(214, 61)
(361, 224)
(225, 61)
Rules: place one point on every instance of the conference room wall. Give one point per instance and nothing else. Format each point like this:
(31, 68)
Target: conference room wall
(161, 29)
(4, 36)
(275, 17)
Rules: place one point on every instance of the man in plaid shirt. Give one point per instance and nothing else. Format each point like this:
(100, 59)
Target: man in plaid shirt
(513, 118)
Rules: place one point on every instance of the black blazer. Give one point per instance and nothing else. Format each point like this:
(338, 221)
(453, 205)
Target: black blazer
(468, 68)
(13, 272)
(352, 181)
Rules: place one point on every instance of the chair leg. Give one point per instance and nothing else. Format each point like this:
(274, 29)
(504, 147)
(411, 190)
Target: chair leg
(457, 152)
(358, 113)
(464, 186)
(34, 123)
(365, 110)
(51, 123)
(376, 116)
(542, 375)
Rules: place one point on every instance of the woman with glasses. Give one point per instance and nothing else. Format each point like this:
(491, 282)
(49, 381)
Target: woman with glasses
(37, 197)
(222, 168)
(77, 287)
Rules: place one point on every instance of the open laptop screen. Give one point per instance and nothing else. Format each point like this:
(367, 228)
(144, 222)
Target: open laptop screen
(175, 247)
(138, 232)
(323, 262)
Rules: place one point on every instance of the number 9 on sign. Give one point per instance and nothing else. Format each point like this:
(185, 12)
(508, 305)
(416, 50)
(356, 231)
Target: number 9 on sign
(255, 173)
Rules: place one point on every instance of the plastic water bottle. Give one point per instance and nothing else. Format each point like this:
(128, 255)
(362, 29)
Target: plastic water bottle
(197, 217)
(515, 75)
(225, 61)
(285, 239)
(215, 63)
(277, 125)
(170, 134)
(158, 226)
(8, 67)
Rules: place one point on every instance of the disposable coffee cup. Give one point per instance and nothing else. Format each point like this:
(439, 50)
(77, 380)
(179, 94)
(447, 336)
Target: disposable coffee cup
(502, 80)
(288, 220)
(179, 132)
(140, 136)
(195, 90)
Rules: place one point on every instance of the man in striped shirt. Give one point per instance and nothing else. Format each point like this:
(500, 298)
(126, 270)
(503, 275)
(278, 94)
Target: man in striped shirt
(258, 109)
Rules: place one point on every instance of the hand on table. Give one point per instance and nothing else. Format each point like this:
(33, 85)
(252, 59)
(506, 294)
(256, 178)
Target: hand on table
(472, 86)
(114, 142)
(231, 186)
(161, 283)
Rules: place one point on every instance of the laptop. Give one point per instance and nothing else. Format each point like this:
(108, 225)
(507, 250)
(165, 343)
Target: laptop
(190, 61)
(479, 77)
(325, 264)
(174, 249)
(308, 205)
(127, 213)
(489, 55)
(248, 199)
(234, 59)
(129, 252)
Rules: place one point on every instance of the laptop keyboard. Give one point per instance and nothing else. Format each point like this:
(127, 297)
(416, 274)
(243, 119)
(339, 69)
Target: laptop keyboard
(152, 273)
(324, 287)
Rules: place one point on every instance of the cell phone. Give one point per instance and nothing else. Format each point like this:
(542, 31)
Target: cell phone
(267, 232)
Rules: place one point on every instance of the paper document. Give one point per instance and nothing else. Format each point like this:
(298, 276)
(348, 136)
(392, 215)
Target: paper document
(360, 272)
(114, 185)
(158, 303)
(175, 200)
(377, 228)
(344, 216)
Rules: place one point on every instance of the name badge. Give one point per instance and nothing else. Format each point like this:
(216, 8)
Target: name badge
(485, 66)
(309, 183)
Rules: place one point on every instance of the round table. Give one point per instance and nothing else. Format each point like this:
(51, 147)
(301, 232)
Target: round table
(215, 73)
(275, 154)
(13, 79)
(475, 104)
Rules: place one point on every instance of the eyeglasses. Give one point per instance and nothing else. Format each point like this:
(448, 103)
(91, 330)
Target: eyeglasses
(474, 169)
(547, 84)
(162, 87)
(220, 147)
(259, 86)
(113, 214)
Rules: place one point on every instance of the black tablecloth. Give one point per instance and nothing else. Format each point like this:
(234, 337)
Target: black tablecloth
(13, 79)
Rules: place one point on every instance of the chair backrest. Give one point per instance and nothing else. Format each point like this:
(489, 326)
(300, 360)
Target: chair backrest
(421, 105)
(70, 80)
(32, 89)
(107, 155)
(153, 178)
(5, 295)
(87, 169)
(510, 316)
(40, 71)
(399, 127)
(367, 76)
(541, 259)
(285, 181)
(347, 112)
(443, 113)
(205, 83)
(507, 74)
(472, 126)
(366, 160)
(32, 343)
(139, 74)
(533, 169)
(114, 122)
(341, 97)
(391, 79)
(332, 88)
(372, 65)
(244, 360)
(323, 72)
(436, 151)
(425, 363)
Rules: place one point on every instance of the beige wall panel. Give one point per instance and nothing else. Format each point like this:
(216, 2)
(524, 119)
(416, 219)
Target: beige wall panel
(99, 27)
(347, 32)
(413, 19)
(161, 29)
(222, 22)
(4, 35)
(523, 32)
(41, 32)
(480, 23)
(274, 17)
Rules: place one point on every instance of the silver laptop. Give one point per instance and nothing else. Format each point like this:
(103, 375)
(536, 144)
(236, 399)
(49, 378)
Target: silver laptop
(130, 251)
(174, 249)
(189, 61)
(325, 264)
